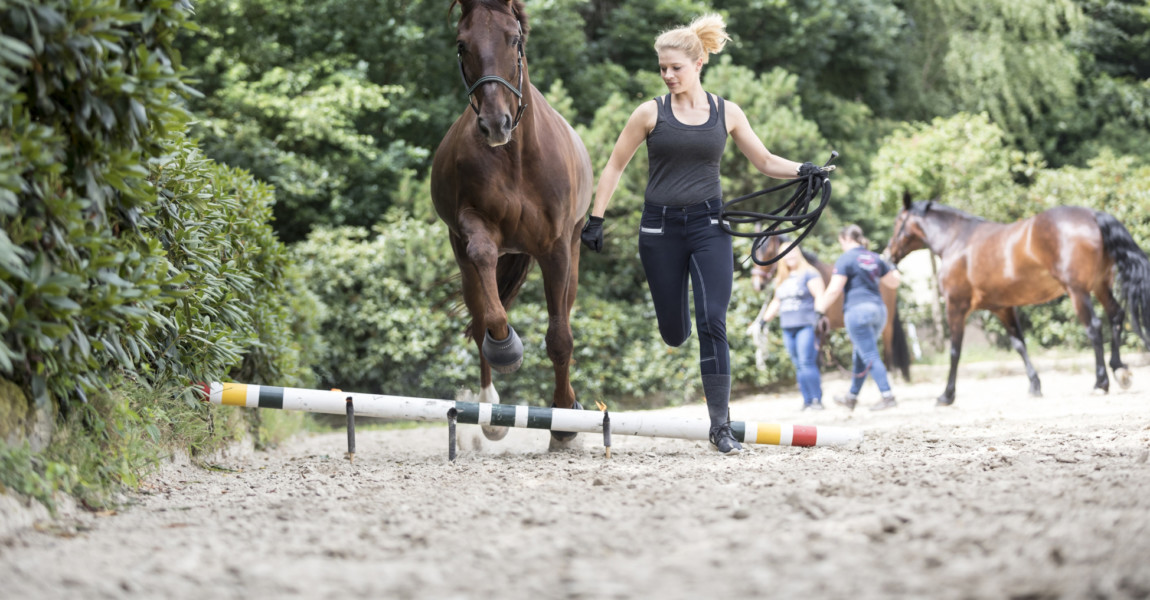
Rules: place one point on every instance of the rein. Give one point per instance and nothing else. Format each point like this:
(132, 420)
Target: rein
(796, 213)
(517, 90)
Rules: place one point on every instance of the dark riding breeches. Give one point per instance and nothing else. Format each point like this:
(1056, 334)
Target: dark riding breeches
(677, 244)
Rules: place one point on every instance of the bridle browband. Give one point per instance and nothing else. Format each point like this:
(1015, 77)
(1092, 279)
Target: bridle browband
(518, 91)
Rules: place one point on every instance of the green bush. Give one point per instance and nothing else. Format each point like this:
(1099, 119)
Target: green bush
(92, 96)
(241, 306)
(123, 251)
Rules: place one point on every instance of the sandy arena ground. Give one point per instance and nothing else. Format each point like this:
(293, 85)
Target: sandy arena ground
(1000, 496)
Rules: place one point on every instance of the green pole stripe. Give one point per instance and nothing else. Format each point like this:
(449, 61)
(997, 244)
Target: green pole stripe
(538, 417)
(468, 412)
(739, 428)
(503, 415)
(271, 397)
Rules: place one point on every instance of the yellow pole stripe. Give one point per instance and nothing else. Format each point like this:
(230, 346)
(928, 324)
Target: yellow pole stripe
(769, 433)
(234, 394)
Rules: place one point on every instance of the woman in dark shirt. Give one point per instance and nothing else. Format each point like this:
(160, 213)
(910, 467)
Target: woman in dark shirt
(858, 273)
(679, 236)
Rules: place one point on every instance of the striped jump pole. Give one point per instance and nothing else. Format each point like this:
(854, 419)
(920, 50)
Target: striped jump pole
(648, 424)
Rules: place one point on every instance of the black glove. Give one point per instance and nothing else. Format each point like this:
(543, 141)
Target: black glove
(807, 169)
(592, 235)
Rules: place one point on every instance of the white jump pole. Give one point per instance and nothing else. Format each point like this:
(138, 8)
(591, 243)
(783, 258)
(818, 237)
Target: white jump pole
(648, 424)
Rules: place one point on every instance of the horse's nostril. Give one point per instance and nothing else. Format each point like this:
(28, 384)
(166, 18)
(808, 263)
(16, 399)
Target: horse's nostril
(506, 122)
(483, 127)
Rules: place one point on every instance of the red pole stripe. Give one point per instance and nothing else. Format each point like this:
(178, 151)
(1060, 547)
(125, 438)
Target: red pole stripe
(804, 435)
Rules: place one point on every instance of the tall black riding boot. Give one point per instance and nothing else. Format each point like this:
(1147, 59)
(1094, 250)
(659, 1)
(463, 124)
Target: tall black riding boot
(717, 389)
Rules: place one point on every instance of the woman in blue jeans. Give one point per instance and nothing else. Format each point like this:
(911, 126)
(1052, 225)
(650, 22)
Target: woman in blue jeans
(858, 273)
(797, 286)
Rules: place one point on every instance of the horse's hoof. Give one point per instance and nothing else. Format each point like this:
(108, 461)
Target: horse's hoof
(944, 401)
(494, 433)
(505, 356)
(571, 443)
(564, 437)
(1099, 391)
(1124, 377)
(1037, 393)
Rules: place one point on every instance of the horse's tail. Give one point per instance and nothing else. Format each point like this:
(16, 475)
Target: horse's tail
(510, 273)
(1133, 271)
(900, 349)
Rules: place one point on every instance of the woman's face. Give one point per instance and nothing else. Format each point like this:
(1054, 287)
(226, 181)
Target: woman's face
(678, 71)
(792, 259)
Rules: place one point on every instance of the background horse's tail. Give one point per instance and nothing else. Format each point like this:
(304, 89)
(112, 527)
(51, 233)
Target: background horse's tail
(510, 273)
(900, 349)
(1133, 271)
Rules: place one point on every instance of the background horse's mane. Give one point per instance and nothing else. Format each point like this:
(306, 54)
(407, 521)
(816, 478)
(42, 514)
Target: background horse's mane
(921, 207)
(514, 7)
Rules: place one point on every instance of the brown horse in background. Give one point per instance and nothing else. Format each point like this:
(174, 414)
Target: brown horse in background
(896, 351)
(512, 182)
(998, 267)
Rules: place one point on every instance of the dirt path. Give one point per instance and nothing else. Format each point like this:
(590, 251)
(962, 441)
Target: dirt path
(1001, 496)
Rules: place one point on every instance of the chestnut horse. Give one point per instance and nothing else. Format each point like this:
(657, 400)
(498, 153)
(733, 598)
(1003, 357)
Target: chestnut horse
(896, 352)
(512, 182)
(998, 267)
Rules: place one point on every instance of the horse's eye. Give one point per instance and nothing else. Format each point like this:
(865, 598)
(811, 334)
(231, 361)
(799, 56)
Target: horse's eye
(515, 41)
(459, 48)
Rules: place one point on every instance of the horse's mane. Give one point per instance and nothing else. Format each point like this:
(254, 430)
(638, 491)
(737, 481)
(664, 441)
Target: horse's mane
(513, 7)
(921, 207)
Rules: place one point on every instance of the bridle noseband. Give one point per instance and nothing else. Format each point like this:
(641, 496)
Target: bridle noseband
(497, 79)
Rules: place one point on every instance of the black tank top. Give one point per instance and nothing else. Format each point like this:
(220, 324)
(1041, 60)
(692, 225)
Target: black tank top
(684, 159)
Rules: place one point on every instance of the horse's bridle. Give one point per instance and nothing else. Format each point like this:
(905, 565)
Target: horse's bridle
(901, 226)
(518, 91)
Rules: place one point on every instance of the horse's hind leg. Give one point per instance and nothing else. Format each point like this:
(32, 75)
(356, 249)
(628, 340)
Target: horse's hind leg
(1084, 307)
(1009, 318)
(1117, 317)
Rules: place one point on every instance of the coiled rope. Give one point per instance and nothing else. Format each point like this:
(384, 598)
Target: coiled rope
(793, 215)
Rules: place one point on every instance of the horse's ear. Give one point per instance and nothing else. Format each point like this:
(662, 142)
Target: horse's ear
(906, 199)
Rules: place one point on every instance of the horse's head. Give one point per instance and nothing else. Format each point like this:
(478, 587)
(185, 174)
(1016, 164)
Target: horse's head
(490, 37)
(909, 234)
(761, 274)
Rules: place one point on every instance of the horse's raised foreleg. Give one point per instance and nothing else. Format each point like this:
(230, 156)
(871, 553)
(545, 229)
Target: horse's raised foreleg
(1085, 309)
(1009, 318)
(501, 345)
(560, 280)
(956, 314)
(476, 300)
(1117, 317)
